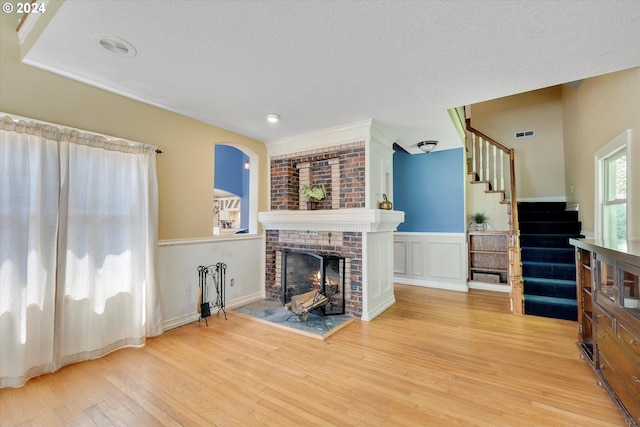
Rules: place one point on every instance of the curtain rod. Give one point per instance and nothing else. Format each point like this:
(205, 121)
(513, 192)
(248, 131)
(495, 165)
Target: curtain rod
(16, 117)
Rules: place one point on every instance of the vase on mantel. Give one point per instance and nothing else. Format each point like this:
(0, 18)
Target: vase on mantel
(312, 206)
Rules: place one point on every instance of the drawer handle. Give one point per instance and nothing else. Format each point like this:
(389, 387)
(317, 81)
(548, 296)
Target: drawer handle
(602, 367)
(636, 379)
(632, 342)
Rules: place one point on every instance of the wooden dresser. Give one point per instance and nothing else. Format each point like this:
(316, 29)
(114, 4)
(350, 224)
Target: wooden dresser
(608, 286)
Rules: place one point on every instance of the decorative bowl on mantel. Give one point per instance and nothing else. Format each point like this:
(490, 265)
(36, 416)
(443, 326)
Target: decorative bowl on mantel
(385, 203)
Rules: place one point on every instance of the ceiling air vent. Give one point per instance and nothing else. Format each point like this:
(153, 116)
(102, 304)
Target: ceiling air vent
(525, 134)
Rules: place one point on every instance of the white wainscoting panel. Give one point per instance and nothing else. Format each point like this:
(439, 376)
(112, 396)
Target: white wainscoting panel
(399, 258)
(444, 259)
(416, 252)
(437, 260)
(178, 261)
(378, 292)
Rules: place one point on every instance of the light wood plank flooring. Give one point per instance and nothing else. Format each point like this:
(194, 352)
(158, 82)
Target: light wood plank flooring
(435, 358)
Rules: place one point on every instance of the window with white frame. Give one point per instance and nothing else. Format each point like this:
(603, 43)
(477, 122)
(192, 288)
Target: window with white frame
(612, 190)
(614, 215)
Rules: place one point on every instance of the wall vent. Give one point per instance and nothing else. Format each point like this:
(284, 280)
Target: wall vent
(524, 134)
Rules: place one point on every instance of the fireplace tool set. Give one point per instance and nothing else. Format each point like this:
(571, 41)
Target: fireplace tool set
(215, 274)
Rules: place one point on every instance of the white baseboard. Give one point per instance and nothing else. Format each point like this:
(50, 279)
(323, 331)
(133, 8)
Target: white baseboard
(460, 287)
(176, 322)
(489, 287)
(543, 199)
(588, 234)
(180, 321)
(247, 299)
(382, 307)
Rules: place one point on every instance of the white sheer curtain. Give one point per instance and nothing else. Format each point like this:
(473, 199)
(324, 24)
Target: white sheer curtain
(28, 227)
(105, 217)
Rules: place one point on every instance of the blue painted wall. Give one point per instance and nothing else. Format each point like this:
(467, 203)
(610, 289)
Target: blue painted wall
(429, 188)
(230, 175)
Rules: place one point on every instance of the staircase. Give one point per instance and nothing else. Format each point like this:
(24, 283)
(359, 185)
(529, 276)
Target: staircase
(492, 164)
(548, 264)
(542, 272)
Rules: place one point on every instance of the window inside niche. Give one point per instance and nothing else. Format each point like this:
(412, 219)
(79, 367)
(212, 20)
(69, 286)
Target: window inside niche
(232, 191)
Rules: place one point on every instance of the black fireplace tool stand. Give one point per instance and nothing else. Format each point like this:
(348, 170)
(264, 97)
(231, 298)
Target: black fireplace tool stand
(215, 274)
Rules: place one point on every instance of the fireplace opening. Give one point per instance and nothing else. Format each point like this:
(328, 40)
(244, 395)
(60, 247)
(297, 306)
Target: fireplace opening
(305, 272)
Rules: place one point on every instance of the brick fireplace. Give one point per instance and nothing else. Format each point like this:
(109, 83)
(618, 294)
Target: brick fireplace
(347, 223)
(344, 244)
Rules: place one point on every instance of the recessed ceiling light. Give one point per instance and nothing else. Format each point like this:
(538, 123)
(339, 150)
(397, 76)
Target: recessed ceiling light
(273, 117)
(114, 45)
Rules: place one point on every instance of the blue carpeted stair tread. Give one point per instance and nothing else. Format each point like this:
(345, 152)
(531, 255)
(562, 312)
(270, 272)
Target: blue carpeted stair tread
(558, 288)
(558, 308)
(548, 270)
(548, 216)
(552, 281)
(547, 263)
(563, 255)
(545, 240)
(550, 227)
(552, 300)
(541, 206)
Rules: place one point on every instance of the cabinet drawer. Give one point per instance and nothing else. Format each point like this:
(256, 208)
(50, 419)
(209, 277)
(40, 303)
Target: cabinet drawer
(604, 319)
(630, 340)
(628, 398)
(626, 366)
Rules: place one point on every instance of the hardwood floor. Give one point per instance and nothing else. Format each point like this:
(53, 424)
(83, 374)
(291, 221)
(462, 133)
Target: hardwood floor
(435, 358)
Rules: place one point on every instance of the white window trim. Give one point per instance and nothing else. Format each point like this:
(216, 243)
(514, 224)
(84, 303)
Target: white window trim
(622, 140)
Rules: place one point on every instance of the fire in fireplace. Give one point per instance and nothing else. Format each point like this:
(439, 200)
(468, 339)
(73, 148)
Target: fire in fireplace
(307, 271)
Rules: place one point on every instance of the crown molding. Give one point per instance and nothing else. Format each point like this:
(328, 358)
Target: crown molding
(353, 132)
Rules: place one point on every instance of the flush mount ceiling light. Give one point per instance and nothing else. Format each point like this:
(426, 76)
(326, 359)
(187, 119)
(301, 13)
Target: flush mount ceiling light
(427, 146)
(273, 117)
(114, 45)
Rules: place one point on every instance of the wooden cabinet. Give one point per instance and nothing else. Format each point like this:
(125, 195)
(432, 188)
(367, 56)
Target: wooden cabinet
(585, 303)
(488, 256)
(608, 281)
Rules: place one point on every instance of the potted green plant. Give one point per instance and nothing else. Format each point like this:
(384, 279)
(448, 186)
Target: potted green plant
(478, 221)
(312, 195)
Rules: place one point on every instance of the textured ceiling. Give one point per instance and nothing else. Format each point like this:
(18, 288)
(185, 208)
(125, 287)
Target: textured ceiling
(322, 64)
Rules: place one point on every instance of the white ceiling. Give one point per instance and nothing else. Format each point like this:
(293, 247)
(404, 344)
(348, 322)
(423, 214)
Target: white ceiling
(322, 64)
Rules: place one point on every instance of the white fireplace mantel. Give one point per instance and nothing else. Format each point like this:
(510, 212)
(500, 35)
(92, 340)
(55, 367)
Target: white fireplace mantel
(359, 219)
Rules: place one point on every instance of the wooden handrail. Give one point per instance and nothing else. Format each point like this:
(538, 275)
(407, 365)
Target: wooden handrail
(486, 138)
(23, 18)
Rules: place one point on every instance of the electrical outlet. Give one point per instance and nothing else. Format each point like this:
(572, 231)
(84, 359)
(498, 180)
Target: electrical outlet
(233, 282)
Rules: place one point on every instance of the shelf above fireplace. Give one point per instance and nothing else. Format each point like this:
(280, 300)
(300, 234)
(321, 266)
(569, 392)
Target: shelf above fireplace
(363, 220)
